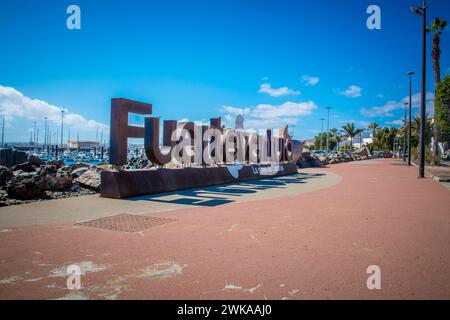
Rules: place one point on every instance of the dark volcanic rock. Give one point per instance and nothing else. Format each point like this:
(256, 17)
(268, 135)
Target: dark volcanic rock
(59, 181)
(35, 161)
(138, 163)
(309, 161)
(26, 166)
(35, 180)
(27, 186)
(5, 174)
(74, 187)
(57, 163)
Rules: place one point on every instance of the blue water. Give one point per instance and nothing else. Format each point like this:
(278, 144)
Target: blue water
(68, 163)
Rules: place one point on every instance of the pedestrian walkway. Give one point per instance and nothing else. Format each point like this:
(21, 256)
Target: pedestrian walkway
(306, 245)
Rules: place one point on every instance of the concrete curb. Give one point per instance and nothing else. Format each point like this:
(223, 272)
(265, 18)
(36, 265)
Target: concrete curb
(432, 176)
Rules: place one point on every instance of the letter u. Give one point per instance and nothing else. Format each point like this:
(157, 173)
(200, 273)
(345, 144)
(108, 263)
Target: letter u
(151, 140)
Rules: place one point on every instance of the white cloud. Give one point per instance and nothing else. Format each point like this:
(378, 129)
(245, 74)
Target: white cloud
(380, 95)
(310, 81)
(277, 92)
(388, 109)
(270, 116)
(395, 122)
(363, 123)
(13, 104)
(351, 92)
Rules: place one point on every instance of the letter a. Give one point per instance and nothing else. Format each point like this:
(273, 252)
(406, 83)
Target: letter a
(374, 21)
(74, 20)
(374, 281)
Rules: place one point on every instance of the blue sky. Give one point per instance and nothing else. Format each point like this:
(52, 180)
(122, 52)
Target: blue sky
(283, 61)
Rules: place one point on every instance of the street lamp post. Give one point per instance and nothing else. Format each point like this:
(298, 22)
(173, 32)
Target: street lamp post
(422, 11)
(328, 127)
(404, 137)
(62, 127)
(321, 132)
(45, 131)
(410, 74)
(34, 134)
(3, 131)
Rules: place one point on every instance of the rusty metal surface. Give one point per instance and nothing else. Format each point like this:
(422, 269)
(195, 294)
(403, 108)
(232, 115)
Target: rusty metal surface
(126, 222)
(126, 184)
(151, 140)
(120, 131)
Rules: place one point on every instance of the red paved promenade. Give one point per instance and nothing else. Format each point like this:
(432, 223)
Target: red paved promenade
(314, 245)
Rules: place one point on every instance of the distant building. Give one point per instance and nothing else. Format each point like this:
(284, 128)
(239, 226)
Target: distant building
(366, 139)
(74, 144)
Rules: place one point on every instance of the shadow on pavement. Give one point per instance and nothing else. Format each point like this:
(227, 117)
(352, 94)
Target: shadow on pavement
(218, 195)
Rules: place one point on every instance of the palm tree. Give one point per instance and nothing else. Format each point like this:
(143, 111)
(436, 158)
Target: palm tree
(437, 27)
(415, 131)
(359, 133)
(373, 126)
(338, 140)
(350, 131)
(333, 133)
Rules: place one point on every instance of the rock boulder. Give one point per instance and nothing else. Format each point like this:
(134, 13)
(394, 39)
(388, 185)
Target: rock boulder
(89, 179)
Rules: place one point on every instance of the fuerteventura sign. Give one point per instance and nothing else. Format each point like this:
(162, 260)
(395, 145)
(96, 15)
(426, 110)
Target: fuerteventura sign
(199, 155)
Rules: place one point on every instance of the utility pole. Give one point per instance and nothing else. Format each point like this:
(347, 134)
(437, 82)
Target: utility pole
(3, 132)
(328, 127)
(410, 74)
(422, 11)
(321, 132)
(62, 126)
(404, 137)
(34, 133)
(45, 131)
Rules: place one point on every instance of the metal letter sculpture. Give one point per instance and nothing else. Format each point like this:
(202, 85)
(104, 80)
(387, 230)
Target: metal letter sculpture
(210, 154)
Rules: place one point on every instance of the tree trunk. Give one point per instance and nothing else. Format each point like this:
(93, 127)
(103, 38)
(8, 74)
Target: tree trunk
(436, 56)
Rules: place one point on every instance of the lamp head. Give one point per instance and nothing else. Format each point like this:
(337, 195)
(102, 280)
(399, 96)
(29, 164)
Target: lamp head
(410, 73)
(416, 11)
